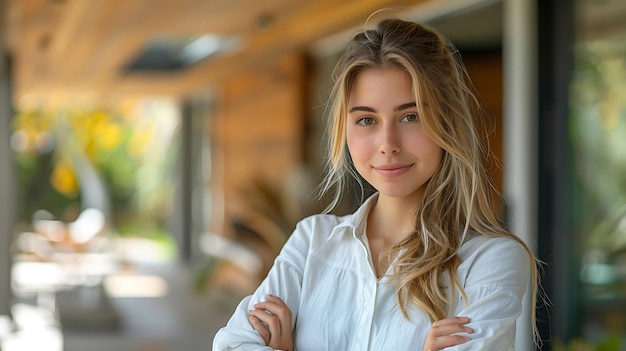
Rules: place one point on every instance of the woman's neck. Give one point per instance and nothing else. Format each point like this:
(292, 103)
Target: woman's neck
(391, 219)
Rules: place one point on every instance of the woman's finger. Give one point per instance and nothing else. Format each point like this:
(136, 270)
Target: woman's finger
(449, 329)
(271, 321)
(451, 320)
(444, 333)
(260, 327)
(276, 306)
(447, 341)
(449, 326)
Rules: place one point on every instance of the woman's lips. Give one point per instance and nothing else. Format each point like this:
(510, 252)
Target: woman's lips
(393, 170)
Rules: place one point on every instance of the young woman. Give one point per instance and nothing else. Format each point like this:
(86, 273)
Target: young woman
(424, 263)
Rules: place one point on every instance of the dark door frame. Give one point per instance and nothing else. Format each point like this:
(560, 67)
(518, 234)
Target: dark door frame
(555, 64)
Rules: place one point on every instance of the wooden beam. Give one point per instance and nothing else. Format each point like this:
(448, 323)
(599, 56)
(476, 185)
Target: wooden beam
(319, 20)
(33, 23)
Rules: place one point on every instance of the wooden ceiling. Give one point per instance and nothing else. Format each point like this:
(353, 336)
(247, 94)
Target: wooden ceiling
(80, 47)
(72, 48)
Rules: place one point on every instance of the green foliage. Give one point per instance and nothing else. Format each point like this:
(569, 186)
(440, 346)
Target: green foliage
(64, 156)
(610, 344)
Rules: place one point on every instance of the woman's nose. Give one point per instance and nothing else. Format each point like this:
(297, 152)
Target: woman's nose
(389, 141)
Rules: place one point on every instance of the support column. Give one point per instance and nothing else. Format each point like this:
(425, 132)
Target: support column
(189, 201)
(7, 178)
(520, 134)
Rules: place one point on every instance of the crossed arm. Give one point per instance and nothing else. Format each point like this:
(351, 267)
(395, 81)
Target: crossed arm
(273, 320)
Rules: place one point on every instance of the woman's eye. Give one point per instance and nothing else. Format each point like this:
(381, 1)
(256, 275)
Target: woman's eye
(411, 118)
(365, 121)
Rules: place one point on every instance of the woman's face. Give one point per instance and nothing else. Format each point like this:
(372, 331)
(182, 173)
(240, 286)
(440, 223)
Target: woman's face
(387, 142)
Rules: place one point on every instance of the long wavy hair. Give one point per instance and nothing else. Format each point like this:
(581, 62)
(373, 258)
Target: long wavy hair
(458, 198)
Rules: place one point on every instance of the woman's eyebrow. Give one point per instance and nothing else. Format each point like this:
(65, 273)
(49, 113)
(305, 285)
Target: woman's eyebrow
(361, 108)
(405, 106)
(369, 109)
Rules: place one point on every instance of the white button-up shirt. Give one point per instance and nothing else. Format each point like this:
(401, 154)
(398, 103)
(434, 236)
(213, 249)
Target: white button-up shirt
(325, 275)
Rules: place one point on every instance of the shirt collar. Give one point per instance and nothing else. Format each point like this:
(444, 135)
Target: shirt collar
(356, 221)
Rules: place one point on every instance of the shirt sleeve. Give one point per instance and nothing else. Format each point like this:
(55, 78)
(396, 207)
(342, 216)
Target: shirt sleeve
(283, 280)
(496, 281)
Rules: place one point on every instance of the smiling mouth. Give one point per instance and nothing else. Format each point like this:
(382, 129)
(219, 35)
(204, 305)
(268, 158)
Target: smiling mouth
(393, 170)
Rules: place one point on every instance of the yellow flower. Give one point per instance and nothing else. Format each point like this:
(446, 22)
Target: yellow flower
(64, 179)
(108, 135)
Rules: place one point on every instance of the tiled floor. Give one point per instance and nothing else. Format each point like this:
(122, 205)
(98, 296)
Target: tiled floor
(181, 320)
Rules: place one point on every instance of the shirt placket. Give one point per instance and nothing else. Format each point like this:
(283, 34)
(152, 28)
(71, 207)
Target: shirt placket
(368, 304)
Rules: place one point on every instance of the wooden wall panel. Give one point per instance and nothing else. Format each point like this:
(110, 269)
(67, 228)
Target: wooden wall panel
(258, 132)
(485, 70)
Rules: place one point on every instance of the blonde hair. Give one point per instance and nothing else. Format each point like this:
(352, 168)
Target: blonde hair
(457, 199)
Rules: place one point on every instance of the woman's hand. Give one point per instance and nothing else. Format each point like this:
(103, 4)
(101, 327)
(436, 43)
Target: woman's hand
(272, 319)
(440, 334)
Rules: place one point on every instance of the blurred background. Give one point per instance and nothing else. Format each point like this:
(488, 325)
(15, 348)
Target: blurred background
(155, 155)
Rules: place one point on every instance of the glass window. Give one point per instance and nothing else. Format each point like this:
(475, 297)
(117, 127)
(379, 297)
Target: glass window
(598, 139)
